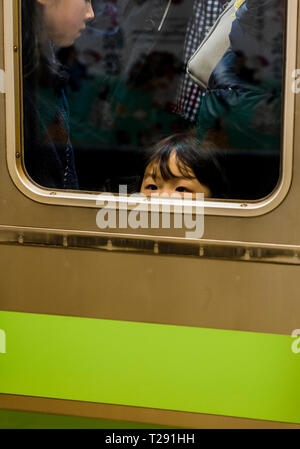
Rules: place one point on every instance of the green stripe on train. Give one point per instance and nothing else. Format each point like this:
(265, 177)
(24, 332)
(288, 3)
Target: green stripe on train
(244, 374)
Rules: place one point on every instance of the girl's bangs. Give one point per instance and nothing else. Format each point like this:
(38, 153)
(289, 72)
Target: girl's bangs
(161, 165)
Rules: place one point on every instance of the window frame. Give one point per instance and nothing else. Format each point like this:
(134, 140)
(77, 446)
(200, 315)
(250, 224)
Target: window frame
(228, 207)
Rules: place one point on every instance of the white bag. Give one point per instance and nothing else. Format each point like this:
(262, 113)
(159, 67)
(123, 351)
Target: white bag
(213, 47)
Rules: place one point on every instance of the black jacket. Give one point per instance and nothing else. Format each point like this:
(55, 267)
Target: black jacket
(48, 152)
(244, 94)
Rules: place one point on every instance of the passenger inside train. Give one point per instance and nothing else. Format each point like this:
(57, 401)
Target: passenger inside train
(122, 87)
(180, 164)
(49, 156)
(244, 93)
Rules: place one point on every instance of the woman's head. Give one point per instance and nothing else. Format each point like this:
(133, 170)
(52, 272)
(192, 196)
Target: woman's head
(64, 20)
(46, 21)
(180, 164)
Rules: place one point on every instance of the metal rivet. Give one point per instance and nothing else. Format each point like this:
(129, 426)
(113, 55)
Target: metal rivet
(18, 155)
(20, 239)
(15, 48)
(65, 241)
(201, 251)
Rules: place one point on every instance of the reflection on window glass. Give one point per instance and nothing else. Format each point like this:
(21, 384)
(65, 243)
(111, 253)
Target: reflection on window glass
(108, 100)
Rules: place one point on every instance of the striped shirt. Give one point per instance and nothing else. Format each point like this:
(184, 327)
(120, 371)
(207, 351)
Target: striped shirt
(205, 13)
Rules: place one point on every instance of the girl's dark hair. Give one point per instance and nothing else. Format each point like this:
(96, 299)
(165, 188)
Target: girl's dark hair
(203, 159)
(37, 56)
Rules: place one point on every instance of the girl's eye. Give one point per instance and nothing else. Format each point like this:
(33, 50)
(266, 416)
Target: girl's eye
(182, 189)
(151, 187)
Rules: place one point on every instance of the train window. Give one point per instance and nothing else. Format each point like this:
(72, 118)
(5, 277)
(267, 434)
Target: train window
(107, 99)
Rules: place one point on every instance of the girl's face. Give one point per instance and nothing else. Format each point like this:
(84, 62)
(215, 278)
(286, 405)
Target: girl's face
(153, 182)
(66, 19)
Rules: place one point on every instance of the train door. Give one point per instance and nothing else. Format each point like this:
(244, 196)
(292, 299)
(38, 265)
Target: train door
(164, 310)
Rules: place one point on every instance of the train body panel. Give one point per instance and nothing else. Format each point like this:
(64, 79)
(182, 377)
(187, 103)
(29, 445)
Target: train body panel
(236, 285)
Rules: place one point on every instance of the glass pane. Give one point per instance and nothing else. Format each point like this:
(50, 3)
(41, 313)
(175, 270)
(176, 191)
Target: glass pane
(107, 97)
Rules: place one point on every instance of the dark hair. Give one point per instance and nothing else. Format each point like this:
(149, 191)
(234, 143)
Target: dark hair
(48, 154)
(203, 159)
(38, 60)
(29, 38)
